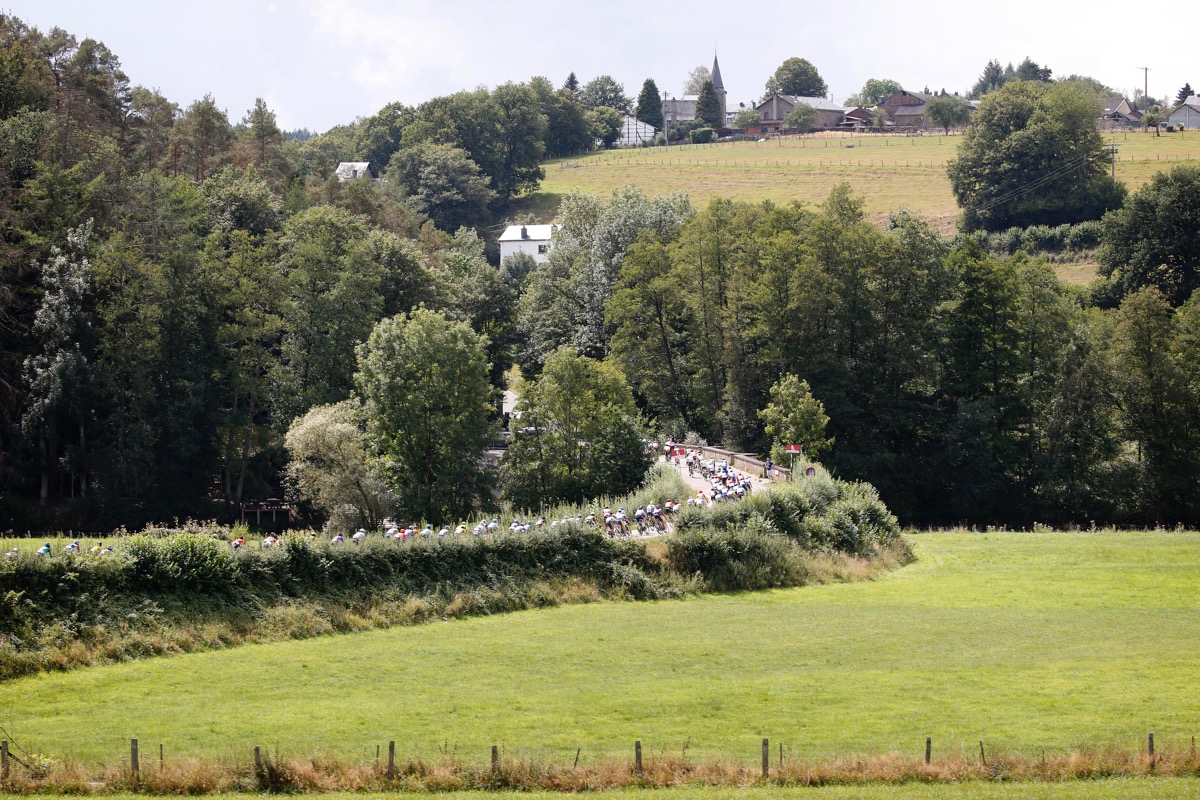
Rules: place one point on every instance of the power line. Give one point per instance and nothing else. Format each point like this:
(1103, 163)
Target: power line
(1037, 183)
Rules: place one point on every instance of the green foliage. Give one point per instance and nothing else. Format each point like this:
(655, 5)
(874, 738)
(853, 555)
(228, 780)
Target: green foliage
(802, 117)
(797, 76)
(747, 118)
(604, 92)
(947, 111)
(443, 183)
(1032, 155)
(794, 416)
(579, 437)
(708, 107)
(604, 124)
(702, 136)
(424, 384)
(874, 92)
(649, 105)
(1154, 240)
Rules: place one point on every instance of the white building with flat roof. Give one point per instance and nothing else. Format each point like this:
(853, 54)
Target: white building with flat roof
(531, 239)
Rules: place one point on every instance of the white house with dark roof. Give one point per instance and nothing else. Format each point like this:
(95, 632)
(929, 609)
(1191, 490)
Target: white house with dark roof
(1187, 113)
(353, 170)
(532, 239)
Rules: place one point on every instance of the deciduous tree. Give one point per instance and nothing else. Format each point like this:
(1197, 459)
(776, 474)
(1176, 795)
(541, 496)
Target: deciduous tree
(797, 76)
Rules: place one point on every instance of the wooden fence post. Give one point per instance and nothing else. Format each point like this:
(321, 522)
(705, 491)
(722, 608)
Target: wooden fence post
(1150, 747)
(637, 756)
(134, 766)
(258, 760)
(495, 759)
(4, 759)
(766, 758)
(161, 759)
(928, 748)
(391, 773)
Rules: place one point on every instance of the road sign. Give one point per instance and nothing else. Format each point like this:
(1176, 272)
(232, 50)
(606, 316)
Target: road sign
(810, 472)
(794, 449)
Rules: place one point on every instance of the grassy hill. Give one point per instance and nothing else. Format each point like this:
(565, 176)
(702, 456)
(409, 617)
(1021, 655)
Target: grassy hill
(890, 172)
(1023, 640)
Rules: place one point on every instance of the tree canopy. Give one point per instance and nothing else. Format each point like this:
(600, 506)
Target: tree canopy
(947, 111)
(1032, 155)
(426, 397)
(649, 105)
(802, 117)
(797, 76)
(708, 107)
(604, 91)
(1154, 239)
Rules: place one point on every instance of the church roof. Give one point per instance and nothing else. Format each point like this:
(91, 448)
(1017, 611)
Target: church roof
(718, 84)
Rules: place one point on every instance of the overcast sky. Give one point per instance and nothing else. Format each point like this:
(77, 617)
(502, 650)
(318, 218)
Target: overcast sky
(320, 63)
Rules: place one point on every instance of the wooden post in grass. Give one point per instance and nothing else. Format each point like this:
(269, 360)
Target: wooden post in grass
(928, 749)
(982, 756)
(495, 759)
(4, 759)
(766, 758)
(160, 757)
(391, 773)
(134, 766)
(1150, 747)
(637, 756)
(257, 760)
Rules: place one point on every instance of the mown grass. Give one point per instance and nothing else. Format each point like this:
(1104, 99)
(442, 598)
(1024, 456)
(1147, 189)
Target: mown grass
(888, 171)
(1025, 641)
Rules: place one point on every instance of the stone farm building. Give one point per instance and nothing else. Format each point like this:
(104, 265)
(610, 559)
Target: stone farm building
(774, 111)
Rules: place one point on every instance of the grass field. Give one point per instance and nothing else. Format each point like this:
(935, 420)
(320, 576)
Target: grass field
(1022, 640)
(890, 172)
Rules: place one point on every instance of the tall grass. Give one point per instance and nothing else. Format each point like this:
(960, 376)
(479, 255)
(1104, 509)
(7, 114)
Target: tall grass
(443, 773)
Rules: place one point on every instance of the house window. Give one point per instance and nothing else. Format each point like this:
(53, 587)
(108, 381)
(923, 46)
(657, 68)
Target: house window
(543, 249)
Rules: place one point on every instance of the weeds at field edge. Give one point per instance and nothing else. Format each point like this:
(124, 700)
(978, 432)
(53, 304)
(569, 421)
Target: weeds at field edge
(329, 774)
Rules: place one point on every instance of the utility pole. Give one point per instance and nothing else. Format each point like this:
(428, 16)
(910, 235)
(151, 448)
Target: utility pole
(1145, 87)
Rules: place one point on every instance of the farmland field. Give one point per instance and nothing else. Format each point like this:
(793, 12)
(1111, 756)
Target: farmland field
(1024, 640)
(888, 171)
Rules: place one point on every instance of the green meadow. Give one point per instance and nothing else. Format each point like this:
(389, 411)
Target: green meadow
(1022, 640)
(888, 171)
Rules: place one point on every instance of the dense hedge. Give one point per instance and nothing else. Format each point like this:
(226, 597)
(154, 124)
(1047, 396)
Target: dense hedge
(1035, 239)
(818, 513)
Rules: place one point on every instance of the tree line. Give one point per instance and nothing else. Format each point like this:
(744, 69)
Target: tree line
(966, 386)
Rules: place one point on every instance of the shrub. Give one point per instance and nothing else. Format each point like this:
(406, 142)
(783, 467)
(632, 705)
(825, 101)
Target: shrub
(703, 135)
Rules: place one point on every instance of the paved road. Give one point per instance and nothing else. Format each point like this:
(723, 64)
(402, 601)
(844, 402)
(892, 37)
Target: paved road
(697, 483)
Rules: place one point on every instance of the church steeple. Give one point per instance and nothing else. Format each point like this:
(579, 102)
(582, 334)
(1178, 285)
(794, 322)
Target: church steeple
(719, 87)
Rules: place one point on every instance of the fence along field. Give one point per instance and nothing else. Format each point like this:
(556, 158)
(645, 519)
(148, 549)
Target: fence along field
(888, 171)
(1024, 641)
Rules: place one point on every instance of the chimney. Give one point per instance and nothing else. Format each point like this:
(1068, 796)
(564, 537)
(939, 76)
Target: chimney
(524, 232)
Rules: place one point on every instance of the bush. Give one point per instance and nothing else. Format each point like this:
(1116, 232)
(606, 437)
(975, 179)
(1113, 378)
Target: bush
(703, 135)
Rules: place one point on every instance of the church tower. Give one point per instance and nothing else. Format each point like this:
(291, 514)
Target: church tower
(719, 87)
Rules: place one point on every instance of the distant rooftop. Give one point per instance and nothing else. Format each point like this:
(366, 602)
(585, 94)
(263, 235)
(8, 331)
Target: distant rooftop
(537, 233)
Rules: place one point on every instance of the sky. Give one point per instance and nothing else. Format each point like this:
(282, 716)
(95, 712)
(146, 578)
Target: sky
(321, 63)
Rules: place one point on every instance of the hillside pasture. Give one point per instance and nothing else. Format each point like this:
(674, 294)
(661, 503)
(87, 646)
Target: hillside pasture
(1023, 640)
(888, 171)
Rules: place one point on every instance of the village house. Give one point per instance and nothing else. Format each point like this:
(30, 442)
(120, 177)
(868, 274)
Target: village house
(906, 109)
(532, 239)
(774, 111)
(1118, 113)
(684, 109)
(353, 170)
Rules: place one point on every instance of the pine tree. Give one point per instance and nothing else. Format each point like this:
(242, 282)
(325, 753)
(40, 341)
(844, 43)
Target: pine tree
(649, 105)
(1184, 94)
(572, 84)
(708, 106)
